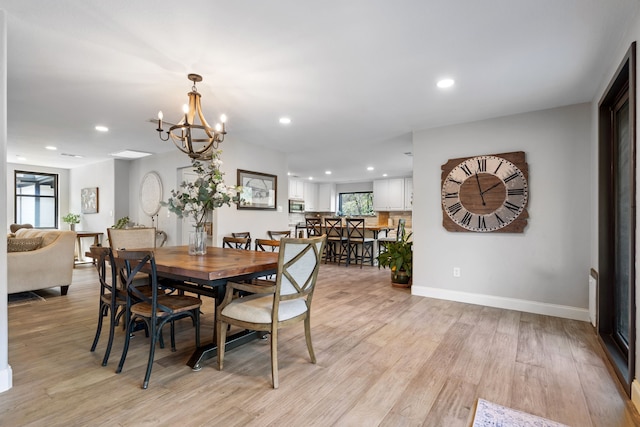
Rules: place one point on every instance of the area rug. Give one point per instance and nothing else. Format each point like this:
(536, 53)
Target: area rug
(493, 415)
(22, 298)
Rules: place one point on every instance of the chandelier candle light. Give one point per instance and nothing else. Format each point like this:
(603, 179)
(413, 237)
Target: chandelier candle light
(198, 141)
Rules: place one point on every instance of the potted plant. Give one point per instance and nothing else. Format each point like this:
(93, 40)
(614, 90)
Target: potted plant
(399, 258)
(71, 219)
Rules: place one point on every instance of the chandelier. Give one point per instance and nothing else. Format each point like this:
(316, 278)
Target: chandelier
(197, 140)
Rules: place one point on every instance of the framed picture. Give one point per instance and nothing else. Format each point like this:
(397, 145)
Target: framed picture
(89, 200)
(259, 190)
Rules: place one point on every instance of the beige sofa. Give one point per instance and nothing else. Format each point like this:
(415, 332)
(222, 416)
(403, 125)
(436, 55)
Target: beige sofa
(48, 266)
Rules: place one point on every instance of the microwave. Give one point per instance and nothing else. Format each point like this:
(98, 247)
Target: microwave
(296, 206)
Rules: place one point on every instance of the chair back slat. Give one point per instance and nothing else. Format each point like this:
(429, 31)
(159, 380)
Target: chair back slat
(131, 238)
(236, 242)
(277, 235)
(298, 266)
(243, 234)
(267, 245)
(314, 227)
(333, 228)
(355, 229)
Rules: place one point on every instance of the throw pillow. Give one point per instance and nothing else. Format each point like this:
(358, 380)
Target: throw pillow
(24, 244)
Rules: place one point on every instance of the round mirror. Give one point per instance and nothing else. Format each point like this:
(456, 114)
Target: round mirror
(151, 193)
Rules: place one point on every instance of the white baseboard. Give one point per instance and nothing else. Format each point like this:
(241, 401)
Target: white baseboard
(6, 379)
(635, 394)
(536, 307)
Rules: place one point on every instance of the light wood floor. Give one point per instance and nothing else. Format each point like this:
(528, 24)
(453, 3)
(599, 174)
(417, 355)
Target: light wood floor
(384, 358)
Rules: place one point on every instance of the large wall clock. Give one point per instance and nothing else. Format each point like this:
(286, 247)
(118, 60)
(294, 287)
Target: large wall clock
(486, 193)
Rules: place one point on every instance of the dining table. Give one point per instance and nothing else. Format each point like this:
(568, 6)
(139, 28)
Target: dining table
(208, 275)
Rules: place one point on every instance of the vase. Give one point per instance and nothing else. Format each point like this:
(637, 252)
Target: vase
(400, 279)
(198, 241)
(72, 227)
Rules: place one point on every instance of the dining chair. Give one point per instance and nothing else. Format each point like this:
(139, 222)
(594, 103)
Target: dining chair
(243, 234)
(265, 245)
(382, 241)
(269, 308)
(314, 227)
(359, 246)
(236, 242)
(132, 238)
(277, 235)
(155, 310)
(336, 250)
(112, 299)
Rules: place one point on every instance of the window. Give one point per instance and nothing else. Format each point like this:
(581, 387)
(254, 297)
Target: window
(36, 199)
(356, 203)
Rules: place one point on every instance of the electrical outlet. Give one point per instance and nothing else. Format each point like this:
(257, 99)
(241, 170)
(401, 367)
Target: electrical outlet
(456, 271)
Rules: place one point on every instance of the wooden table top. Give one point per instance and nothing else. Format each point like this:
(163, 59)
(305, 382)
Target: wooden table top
(216, 264)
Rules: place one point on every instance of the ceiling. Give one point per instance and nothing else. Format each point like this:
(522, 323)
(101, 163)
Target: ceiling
(355, 77)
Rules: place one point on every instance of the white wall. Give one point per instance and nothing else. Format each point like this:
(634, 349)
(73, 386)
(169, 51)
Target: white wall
(235, 155)
(6, 376)
(100, 175)
(542, 270)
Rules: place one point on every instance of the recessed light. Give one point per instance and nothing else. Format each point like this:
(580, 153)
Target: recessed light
(288, 173)
(327, 172)
(310, 178)
(369, 168)
(75, 156)
(285, 120)
(51, 147)
(384, 174)
(101, 128)
(130, 154)
(445, 83)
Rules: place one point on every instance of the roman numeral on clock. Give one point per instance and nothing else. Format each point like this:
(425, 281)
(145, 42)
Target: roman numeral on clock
(512, 176)
(451, 195)
(511, 206)
(466, 170)
(455, 208)
(515, 192)
(466, 219)
(482, 165)
(481, 222)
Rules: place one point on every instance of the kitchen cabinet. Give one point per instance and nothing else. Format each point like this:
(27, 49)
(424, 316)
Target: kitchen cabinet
(326, 198)
(296, 189)
(310, 197)
(388, 194)
(408, 194)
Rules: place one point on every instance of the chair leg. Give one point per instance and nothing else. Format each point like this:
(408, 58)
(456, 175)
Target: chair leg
(112, 327)
(99, 327)
(221, 332)
(274, 357)
(127, 338)
(307, 335)
(155, 330)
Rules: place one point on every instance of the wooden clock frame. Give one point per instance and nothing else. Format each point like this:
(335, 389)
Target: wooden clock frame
(495, 199)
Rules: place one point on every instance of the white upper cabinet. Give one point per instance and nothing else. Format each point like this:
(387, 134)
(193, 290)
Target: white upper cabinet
(388, 194)
(408, 194)
(296, 189)
(310, 197)
(326, 198)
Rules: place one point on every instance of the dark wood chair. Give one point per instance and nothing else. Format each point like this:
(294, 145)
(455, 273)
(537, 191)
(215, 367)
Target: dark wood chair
(360, 248)
(236, 242)
(113, 300)
(267, 245)
(277, 235)
(243, 234)
(382, 241)
(284, 303)
(155, 310)
(314, 227)
(336, 250)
